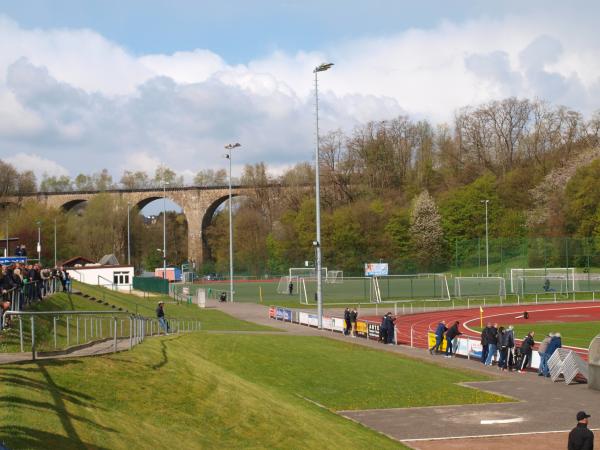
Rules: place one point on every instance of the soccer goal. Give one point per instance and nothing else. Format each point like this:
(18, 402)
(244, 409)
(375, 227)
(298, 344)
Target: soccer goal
(536, 281)
(335, 277)
(421, 285)
(307, 272)
(285, 283)
(479, 286)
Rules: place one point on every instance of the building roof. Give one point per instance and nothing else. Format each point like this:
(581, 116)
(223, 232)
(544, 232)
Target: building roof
(80, 260)
(109, 260)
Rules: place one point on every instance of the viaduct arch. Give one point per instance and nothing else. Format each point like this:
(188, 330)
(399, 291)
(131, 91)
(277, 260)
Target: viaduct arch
(198, 204)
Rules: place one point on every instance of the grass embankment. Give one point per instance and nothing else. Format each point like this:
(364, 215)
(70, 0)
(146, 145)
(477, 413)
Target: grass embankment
(210, 319)
(227, 391)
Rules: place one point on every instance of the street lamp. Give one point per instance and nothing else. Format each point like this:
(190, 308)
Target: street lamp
(39, 242)
(7, 252)
(55, 244)
(321, 68)
(128, 236)
(165, 228)
(487, 247)
(230, 147)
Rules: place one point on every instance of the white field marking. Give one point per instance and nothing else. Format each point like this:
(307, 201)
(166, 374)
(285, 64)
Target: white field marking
(493, 422)
(487, 435)
(465, 324)
(519, 317)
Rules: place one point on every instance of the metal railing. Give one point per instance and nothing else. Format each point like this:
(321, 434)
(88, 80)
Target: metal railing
(64, 331)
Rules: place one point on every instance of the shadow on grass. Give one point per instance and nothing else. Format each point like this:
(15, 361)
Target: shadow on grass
(165, 357)
(24, 437)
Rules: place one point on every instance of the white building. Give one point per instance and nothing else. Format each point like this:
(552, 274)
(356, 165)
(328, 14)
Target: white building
(112, 277)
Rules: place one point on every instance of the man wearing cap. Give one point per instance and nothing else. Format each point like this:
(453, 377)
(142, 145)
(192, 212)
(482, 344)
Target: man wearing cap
(160, 314)
(580, 437)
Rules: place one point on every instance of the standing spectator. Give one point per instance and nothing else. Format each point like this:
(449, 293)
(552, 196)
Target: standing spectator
(543, 356)
(353, 318)
(391, 327)
(291, 288)
(554, 344)
(347, 322)
(580, 437)
(484, 342)
(383, 331)
(503, 346)
(160, 314)
(451, 334)
(510, 344)
(439, 337)
(492, 344)
(526, 351)
(62, 275)
(223, 297)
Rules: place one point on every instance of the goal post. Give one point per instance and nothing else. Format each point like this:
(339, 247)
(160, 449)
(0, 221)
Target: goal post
(335, 277)
(478, 286)
(283, 287)
(307, 272)
(540, 280)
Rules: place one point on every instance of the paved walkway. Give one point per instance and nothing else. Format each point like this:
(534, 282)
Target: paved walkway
(543, 406)
(100, 348)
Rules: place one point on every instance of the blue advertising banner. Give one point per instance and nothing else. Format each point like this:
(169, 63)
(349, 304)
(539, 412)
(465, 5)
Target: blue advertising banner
(7, 261)
(283, 314)
(376, 269)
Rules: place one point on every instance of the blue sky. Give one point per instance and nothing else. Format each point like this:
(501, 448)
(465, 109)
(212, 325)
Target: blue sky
(132, 84)
(243, 30)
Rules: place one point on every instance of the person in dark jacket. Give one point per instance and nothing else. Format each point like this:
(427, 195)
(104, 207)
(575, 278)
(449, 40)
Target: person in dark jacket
(347, 323)
(390, 328)
(492, 338)
(353, 319)
(451, 334)
(581, 437)
(383, 331)
(439, 337)
(554, 344)
(160, 315)
(526, 351)
(503, 348)
(484, 342)
(510, 344)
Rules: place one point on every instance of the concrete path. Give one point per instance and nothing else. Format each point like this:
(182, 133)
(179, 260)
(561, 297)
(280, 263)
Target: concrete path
(541, 406)
(100, 348)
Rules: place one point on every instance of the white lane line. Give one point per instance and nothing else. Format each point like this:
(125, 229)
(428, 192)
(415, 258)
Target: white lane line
(487, 435)
(495, 421)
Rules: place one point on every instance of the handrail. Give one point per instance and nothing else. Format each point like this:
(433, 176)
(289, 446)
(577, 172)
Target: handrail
(42, 313)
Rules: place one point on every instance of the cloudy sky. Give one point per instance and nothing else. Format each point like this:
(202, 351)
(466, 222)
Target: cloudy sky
(128, 85)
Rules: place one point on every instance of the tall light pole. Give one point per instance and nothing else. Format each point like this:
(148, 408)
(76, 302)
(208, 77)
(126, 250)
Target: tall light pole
(321, 68)
(7, 252)
(230, 147)
(128, 236)
(164, 249)
(487, 247)
(39, 242)
(55, 245)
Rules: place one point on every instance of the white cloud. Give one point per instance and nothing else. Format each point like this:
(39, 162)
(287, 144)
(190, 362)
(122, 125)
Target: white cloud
(39, 165)
(75, 97)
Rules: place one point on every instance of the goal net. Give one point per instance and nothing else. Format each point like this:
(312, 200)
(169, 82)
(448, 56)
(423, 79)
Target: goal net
(536, 281)
(307, 272)
(422, 285)
(479, 286)
(287, 284)
(335, 277)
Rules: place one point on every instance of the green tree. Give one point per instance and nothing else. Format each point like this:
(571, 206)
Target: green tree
(427, 236)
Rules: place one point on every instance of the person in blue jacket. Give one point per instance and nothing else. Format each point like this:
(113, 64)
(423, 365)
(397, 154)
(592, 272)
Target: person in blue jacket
(439, 337)
(554, 344)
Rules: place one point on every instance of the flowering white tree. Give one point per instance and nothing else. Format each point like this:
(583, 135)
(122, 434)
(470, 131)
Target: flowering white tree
(427, 236)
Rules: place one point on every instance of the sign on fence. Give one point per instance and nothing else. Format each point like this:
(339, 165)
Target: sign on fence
(376, 269)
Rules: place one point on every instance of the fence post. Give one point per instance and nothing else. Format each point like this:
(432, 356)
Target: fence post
(77, 329)
(68, 333)
(395, 309)
(85, 329)
(54, 323)
(130, 333)
(33, 338)
(411, 336)
(115, 335)
(21, 334)
(101, 333)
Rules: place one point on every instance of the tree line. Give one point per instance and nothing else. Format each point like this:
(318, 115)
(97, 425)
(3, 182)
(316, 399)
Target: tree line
(403, 191)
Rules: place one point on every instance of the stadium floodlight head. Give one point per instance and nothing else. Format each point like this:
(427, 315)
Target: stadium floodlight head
(323, 67)
(315, 243)
(232, 146)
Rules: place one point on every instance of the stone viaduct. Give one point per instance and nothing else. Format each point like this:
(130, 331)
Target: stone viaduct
(198, 203)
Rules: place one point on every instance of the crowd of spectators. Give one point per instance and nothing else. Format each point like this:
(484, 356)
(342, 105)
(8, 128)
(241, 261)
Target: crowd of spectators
(22, 284)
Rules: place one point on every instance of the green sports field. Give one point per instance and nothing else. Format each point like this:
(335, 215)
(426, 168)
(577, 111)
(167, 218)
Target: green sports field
(576, 334)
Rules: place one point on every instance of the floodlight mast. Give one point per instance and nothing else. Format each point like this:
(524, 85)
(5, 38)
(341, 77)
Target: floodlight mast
(317, 243)
(230, 147)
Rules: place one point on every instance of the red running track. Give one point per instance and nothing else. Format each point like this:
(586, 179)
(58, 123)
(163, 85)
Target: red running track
(413, 329)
